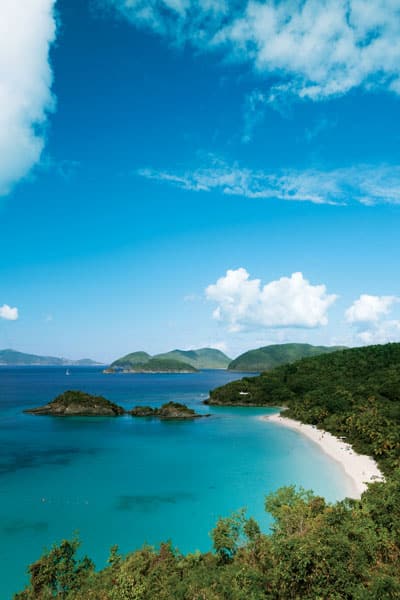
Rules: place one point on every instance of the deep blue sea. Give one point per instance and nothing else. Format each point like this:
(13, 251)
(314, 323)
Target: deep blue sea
(128, 480)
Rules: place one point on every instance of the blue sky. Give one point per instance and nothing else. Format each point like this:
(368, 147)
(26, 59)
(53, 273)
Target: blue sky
(169, 167)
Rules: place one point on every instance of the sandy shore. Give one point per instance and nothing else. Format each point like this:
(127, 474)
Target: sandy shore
(360, 468)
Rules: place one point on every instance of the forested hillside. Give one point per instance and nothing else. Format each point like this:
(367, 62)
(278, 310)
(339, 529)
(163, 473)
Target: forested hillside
(269, 357)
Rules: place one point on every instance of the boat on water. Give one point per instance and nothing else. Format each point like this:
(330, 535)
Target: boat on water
(67, 372)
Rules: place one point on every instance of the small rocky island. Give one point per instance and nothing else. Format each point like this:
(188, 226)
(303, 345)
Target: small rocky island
(78, 404)
(75, 403)
(170, 410)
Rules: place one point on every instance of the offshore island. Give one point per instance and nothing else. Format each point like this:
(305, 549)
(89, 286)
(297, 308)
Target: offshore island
(74, 403)
(175, 361)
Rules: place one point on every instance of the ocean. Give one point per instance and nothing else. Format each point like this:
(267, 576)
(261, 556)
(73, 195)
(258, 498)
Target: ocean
(130, 481)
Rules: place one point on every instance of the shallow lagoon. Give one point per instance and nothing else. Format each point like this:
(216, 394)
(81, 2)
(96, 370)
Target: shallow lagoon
(129, 481)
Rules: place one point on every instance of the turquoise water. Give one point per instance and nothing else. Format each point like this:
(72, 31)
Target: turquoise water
(129, 481)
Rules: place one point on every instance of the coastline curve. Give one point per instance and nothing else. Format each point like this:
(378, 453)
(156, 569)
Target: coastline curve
(360, 468)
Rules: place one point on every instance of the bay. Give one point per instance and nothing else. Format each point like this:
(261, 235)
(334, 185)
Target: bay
(130, 481)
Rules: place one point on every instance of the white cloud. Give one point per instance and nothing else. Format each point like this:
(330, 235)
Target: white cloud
(367, 315)
(366, 184)
(26, 31)
(381, 333)
(8, 313)
(315, 48)
(369, 309)
(243, 303)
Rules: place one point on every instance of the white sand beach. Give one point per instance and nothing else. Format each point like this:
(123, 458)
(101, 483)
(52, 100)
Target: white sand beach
(360, 468)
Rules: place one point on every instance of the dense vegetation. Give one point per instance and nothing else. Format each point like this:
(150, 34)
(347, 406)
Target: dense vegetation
(353, 393)
(269, 357)
(163, 365)
(347, 550)
(77, 403)
(132, 359)
(170, 410)
(203, 358)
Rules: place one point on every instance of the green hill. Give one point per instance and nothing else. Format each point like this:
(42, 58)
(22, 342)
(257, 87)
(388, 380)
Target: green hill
(269, 357)
(131, 360)
(203, 358)
(15, 358)
(162, 365)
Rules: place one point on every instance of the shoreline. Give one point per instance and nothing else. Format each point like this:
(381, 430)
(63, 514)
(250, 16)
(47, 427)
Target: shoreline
(360, 468)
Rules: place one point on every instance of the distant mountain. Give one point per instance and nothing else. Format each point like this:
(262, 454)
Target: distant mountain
(15, 358)
(203, 358)
(268, 357)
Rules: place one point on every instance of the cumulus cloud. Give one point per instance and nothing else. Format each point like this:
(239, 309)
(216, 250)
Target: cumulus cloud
(8, 313)
(366, 184)
(367, 314)
(314, 49)
(26, 31)
(369, 309)
(388, 331)
(243, 303)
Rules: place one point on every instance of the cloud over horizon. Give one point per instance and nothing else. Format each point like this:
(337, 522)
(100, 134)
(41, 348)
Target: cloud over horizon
(315, 49)
(27, 30)
(243, 303)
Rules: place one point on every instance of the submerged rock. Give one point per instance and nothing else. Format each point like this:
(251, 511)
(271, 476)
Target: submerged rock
(74, 403)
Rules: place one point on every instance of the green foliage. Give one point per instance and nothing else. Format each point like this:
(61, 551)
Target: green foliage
(169, 410)
(228, 534)
(164, 365)
(132, 359)
(269, 357)
(75, 402)
(57, 573)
